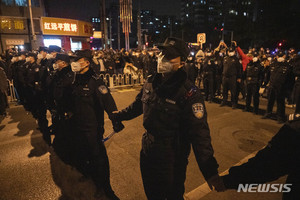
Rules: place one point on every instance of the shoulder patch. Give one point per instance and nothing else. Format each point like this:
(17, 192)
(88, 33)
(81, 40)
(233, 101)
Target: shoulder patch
(198, 110)
(103, 89)
(191, 92)
(37, 69)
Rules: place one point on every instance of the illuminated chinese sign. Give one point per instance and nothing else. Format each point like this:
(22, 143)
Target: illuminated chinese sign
(59, 26)
(12, 24)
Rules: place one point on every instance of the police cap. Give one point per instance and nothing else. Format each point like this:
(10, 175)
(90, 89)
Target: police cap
(23, 53)
(54, 48)
(173, 48)
(63, 57)
(86, 53)
(207, 50)
(254, 54)
(45, 49)
(280, 53)
(32, 55)
(230, 49)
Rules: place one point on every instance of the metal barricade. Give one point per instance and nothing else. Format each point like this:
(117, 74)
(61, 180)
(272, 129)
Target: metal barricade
(122, 80)
(12, 93)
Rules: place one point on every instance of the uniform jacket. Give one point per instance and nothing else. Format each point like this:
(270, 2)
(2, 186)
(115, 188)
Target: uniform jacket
(175, 108)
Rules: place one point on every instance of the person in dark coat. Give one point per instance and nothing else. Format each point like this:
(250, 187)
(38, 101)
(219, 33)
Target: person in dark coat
(3, 92)
(281, 74)
(175, 119)
(90, 98)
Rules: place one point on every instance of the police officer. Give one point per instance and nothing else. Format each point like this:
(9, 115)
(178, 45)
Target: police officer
(19, 76)
(53, 50)
(91, 98)
(191, 69)
(279, 158)
(231, 75)
(3, 92)
(60, 104)
(209, 71)
(174, 118)
(295, 63)
(219, 70)
(280, 76)
(254, 78)
(42, 56)
(36, 95)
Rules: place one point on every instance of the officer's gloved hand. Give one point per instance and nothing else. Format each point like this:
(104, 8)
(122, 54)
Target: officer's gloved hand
(117, 126)
(216, 182)
(114, 116)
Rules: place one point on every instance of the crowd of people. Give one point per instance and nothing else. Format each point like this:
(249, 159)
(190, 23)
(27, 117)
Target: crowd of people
(251, 73)
(69, 86)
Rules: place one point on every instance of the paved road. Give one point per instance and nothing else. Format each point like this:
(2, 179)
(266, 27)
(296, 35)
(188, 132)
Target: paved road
(29, 170)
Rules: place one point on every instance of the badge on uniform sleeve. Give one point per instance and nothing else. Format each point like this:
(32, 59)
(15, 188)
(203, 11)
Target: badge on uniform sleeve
(198, 110)
(103, 89)
(37, 69)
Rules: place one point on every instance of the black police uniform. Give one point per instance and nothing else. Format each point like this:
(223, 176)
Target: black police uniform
(191, 70)
(219, 71)
(152, 67)
(279, 158)
(37, 100)
(60, 104)
(254, 78)
(231, 72)
(209, 72)
(175, 118)
(280, 75)
(90, 98)
(3, 92)
(296, 91)
(19, 79)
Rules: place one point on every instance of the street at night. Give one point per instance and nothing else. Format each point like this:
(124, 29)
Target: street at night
(149, 100)
(29, 171)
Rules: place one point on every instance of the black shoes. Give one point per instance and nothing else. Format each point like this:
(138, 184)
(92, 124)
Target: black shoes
(266, 116)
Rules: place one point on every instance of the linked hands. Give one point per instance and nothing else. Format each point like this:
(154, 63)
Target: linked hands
(117, 124)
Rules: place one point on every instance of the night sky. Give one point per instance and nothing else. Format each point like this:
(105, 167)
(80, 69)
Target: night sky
(162, 7)
(85, 10)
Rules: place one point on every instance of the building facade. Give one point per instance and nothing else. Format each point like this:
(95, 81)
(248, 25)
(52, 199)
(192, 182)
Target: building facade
(215, 17)
(15, 28)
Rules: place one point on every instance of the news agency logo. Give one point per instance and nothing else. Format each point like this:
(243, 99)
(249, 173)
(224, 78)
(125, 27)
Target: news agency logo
(285, 188)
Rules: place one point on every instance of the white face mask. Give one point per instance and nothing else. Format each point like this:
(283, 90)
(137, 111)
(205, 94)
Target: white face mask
(14, 59)
(255, 59)
(269, 59)
(49, 56)
(76, 66)
(280, 59)
(40, 56)
(231, 53)
(27, 59)
(163, 65)
(55, 66)
(220, 54)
